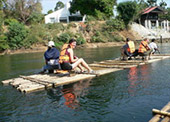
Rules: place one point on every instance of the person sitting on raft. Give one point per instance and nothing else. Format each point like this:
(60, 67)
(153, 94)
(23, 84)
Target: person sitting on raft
(51, 58)
(68, 61)
(128, 50)
(144, 49)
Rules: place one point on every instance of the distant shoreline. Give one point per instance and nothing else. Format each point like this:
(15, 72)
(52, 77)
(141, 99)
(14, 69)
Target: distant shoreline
(41, 48)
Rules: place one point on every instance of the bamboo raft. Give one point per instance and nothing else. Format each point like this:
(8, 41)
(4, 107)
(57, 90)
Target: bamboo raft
(162, 115)
(36, 82)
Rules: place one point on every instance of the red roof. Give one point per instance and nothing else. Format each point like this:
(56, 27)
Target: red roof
(149, 9)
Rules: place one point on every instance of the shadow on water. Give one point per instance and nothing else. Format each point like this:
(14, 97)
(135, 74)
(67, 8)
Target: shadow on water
(126, 95)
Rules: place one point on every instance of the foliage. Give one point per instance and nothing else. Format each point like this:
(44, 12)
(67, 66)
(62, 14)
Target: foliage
(91, 18)
(117, 38)
(99, 37)
(59, 44)
(114, 25)
(50, 11)
(57, 26)
(163, 4)
(2, 3)
(93, 7)
(167, 15)
(127, 11)
(71, 24)
(152, 2)
(64, 37)
(1, 19)
(10, 20)
(22, 9)
(3, 42)
(59, 5)
(37, 34)
(80, 40)
(17, 33)
(36, 17)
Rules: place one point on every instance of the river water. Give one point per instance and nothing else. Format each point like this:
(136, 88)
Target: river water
(124, 96)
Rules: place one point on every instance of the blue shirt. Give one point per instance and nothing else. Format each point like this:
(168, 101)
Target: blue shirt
(51, 53)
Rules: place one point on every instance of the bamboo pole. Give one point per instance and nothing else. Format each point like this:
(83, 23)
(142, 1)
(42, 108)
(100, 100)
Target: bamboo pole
(166, 119)
(156, 118)
(161, 112)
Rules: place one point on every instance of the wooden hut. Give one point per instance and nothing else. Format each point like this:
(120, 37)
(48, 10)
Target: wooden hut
(150, 18)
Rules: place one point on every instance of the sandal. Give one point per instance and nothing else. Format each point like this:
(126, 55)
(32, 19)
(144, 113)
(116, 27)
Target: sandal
(92, 72)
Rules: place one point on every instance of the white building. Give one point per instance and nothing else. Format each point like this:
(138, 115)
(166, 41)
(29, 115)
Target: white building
(63, 15)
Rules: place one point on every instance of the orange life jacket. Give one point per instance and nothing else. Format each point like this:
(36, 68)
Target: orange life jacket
(131, 47)
(63, 56)
(143, 47)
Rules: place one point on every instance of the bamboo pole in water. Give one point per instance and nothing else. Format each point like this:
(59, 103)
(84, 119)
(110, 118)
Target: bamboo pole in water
(161, 112)
(156, 118)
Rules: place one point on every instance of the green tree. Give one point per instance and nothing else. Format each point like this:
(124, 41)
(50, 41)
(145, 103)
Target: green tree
(127, 11)
(59, 5)
(3, 42)
(93, 7)
(22, 9)
(50, 11)
(16, 35)
(1, 20)
(152, 2)
(141, 5)
(2, 4)
(167, 15)
(163, 4)
(36, 17)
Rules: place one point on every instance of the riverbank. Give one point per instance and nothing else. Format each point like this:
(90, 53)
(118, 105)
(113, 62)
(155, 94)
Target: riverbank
(42, 48)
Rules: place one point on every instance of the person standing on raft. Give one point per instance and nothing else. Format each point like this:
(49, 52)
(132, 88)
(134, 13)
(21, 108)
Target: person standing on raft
(68, 61)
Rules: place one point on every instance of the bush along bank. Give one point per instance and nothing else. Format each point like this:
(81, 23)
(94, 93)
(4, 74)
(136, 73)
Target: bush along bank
(15, 35)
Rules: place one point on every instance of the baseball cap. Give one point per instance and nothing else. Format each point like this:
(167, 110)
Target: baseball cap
(51, 43)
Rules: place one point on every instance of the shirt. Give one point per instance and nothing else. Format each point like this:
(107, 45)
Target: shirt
(153, 46)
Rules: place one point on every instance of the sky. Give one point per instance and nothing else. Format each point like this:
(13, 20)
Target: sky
(50, 4)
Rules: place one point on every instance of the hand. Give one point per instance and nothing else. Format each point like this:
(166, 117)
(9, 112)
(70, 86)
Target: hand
(75, 57)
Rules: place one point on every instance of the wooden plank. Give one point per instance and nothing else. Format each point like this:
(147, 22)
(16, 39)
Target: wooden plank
(67, 80)
(118, 63)
(112, 66)
(42, 82)
(161, 55)
(106, 71)
(128, 61)
(156, 118)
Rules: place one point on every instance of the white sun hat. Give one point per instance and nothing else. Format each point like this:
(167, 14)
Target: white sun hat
(51, 43)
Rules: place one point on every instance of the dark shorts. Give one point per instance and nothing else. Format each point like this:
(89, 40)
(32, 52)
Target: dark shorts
(146, 53)
(66, 66)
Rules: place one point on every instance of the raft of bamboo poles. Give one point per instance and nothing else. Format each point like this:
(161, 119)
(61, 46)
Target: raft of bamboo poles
(162, 115)
(42, 81)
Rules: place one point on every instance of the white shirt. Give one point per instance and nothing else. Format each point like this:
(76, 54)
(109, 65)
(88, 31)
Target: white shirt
(153, 46)
(53, 62)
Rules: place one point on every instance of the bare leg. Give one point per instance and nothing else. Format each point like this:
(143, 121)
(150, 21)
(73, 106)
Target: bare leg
(83, 63)
(80, 67)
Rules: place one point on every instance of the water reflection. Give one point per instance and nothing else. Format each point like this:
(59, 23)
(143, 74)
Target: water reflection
(138, 78)
(132, 78)
(71, 93)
